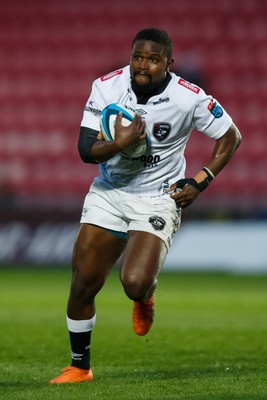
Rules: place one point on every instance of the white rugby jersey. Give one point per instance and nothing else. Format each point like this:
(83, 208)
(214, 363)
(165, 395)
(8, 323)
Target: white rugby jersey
(170, 117)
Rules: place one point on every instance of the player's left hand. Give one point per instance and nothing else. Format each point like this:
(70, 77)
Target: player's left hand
(183, 193)
(126, 136)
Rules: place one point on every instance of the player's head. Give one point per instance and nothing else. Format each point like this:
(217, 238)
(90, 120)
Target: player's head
(151, 58)
(155, 35)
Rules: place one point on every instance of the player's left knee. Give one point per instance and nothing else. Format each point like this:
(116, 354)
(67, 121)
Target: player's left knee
(136, 289)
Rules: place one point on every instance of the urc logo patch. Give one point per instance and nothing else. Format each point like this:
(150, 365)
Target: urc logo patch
(215, 109)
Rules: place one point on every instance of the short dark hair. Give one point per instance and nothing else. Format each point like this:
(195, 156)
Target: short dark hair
(155, 35)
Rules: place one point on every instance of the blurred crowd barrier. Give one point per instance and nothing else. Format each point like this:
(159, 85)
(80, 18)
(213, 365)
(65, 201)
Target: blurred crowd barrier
(209, 246)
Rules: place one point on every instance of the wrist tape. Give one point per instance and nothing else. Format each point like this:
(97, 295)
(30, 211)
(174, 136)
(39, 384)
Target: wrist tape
(198, 185)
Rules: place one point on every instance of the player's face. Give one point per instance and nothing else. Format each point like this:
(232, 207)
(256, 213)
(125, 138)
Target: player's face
(149, 65)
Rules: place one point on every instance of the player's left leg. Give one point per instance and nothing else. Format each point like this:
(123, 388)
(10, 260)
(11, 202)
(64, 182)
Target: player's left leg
(142, 260)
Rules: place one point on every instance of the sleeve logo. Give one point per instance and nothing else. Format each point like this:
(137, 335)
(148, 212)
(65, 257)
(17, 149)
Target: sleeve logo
(111, 75)
(188, 85)
(215, 109)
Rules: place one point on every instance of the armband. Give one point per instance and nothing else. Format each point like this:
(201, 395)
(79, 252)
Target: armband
(198, 185)
(87, 138)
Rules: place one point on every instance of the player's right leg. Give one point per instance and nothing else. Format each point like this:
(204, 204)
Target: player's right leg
(95, 252)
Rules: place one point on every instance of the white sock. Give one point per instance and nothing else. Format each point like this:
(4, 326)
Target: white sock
(83, 325)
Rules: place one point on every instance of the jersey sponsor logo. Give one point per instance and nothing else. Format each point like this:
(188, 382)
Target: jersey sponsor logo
(149, 161)
(161, 130)
(84, 211)
(111, 75)
(141, 111)
(188, 85)
(215, 109)
(129, 108)
(158, 223)
(93, 110)
(161, 100)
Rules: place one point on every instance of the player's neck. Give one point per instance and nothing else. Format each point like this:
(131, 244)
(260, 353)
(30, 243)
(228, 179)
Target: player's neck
(142, 98)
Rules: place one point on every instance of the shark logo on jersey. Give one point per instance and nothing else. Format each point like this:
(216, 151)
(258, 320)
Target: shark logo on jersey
(161, 130)
(158, 223)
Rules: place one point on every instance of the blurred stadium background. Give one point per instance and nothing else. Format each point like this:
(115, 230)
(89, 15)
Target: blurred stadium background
(52, 51)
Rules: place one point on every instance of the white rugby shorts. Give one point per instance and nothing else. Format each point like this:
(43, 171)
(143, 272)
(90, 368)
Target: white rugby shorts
(119, 211)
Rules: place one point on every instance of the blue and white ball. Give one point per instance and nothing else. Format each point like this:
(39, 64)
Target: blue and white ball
(107, 126)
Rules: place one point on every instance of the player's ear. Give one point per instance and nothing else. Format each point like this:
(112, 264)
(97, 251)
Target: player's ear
(170, 63)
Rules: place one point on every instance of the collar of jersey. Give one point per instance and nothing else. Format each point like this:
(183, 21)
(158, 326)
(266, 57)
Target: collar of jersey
(143, 98)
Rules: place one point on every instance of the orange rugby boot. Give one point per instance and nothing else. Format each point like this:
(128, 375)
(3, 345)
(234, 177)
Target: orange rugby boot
(73, 375)
(143, 315)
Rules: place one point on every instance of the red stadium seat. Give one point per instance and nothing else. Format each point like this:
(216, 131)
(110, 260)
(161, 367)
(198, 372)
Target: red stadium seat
(51, 53)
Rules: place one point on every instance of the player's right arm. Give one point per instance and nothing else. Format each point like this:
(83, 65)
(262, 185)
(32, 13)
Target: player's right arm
(94, 150)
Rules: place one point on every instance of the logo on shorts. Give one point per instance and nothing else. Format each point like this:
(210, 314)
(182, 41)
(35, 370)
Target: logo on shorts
(158, 223)
(161, 130)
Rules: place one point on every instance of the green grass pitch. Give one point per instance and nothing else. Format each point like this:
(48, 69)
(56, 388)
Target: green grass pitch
(209, 339)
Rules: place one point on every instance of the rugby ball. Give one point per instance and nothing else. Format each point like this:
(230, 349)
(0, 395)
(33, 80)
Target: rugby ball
(107, 125)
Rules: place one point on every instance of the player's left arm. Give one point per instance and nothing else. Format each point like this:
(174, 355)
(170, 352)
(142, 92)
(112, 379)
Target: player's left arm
(223, 150)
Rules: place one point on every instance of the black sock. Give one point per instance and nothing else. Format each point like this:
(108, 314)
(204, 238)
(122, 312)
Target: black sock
(80, 349)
